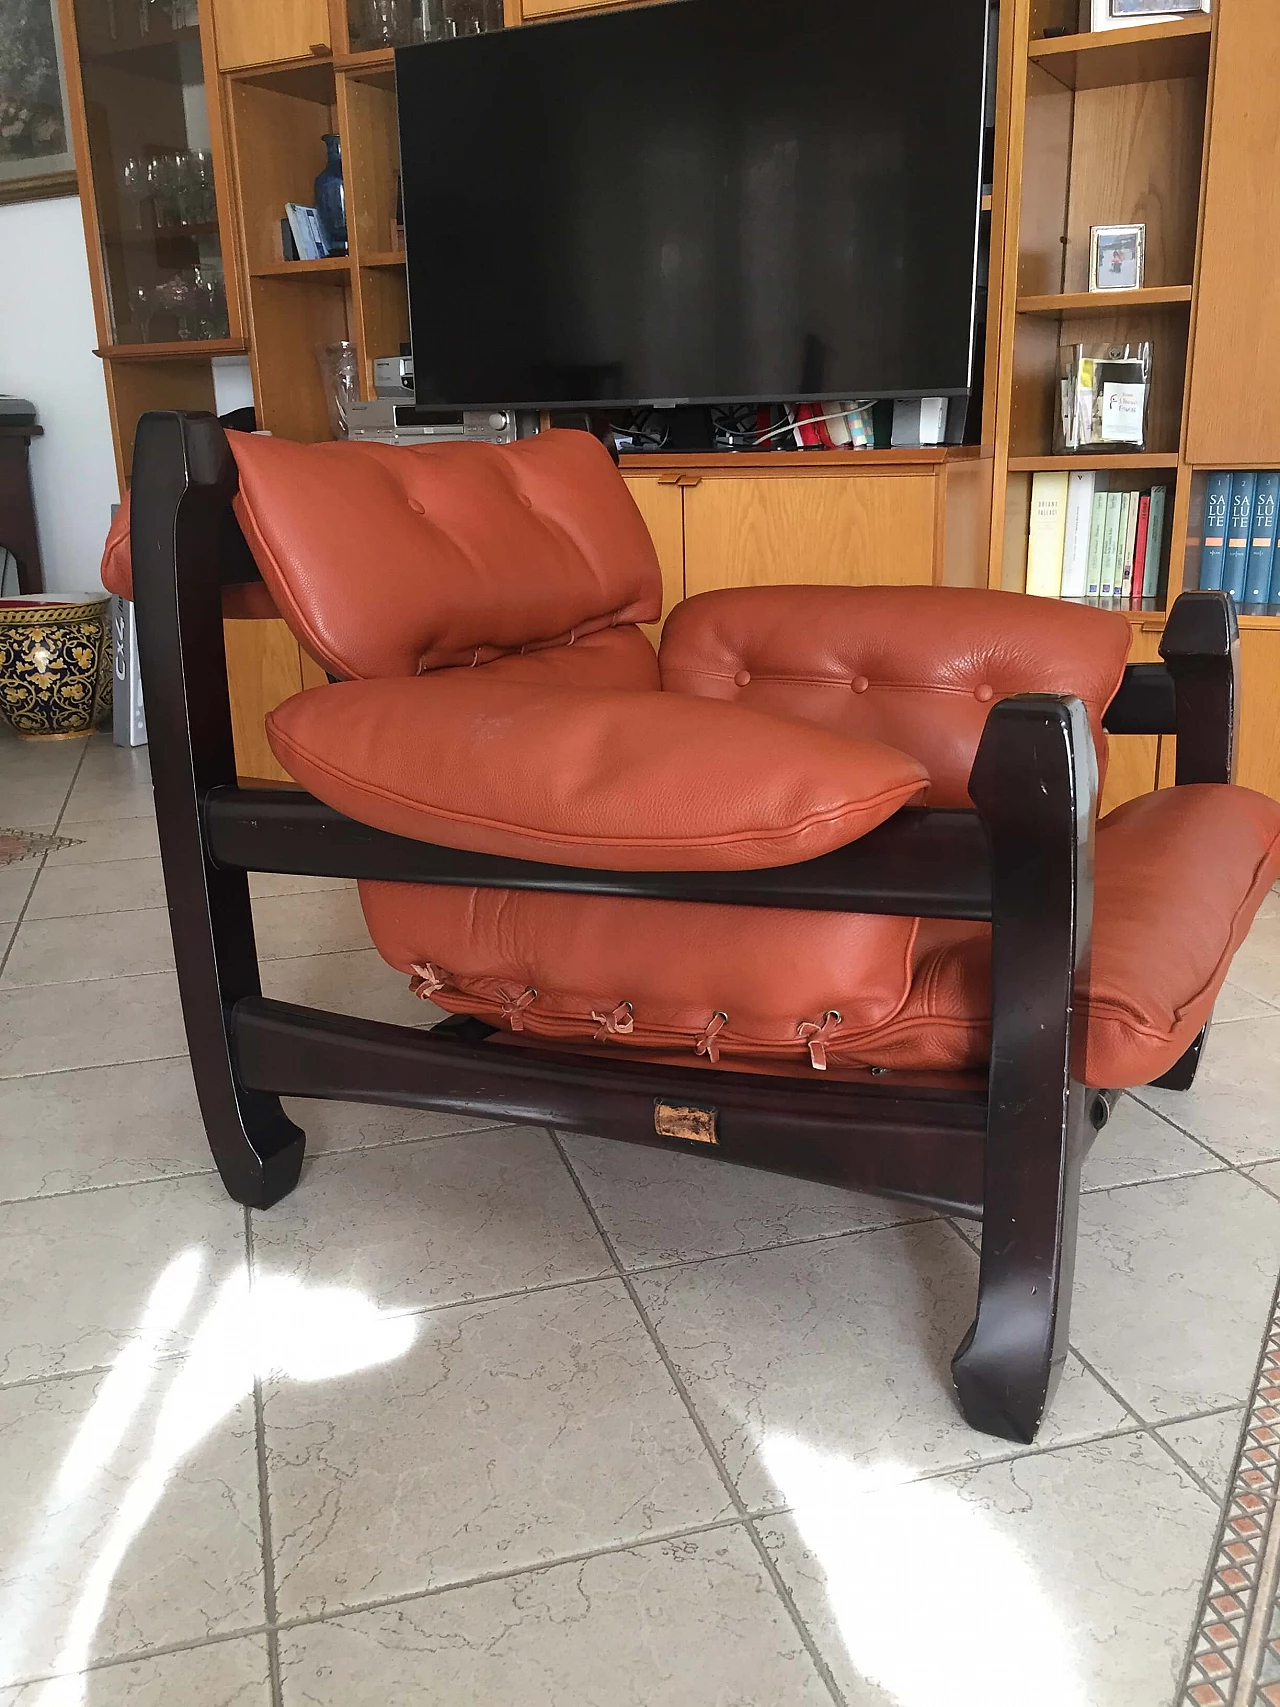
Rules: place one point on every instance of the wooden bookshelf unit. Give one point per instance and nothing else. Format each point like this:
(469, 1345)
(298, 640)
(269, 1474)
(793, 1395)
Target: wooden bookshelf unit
(1158, 124)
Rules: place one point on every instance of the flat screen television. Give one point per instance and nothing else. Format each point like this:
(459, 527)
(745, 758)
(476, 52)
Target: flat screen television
(695, 202)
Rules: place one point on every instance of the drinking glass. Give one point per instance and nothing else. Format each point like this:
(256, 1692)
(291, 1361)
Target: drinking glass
(387, 22)
(341, 376)
(135, 177)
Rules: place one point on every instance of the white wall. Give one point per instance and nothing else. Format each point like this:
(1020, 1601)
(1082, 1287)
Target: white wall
(47, 339)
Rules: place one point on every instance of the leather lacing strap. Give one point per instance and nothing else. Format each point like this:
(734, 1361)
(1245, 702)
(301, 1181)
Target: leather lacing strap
(818, 1037)
(620, 1023)
(706, 1044)
(427, 980)
(513, 1007)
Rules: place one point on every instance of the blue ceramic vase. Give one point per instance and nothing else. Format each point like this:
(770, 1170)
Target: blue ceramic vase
(331, 201)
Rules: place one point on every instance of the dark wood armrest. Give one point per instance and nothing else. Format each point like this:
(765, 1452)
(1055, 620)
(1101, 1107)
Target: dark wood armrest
(1201, 649)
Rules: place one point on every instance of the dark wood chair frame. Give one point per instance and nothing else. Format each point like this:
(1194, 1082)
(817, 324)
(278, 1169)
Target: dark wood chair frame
(1007, 1151)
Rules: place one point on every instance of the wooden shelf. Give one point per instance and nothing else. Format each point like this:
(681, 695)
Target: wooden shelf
(336, 267)
(1147, 53)
(309, 79)
(1106, 301)
(385, 258)
(187, 350)
(1121, 461)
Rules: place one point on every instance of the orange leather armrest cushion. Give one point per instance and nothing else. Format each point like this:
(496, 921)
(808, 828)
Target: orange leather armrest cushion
(615, 781)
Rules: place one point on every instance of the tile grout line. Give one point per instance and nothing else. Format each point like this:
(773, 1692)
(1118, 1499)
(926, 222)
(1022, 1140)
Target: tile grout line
(269, 1607)
(771, 1570)
(43, 860)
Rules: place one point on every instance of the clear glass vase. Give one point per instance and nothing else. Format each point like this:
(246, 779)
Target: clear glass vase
(341, 377)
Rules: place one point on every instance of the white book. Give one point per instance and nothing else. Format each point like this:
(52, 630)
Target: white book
(1047, 535)
(1075, 551)
(837, 424)
(1129, 550)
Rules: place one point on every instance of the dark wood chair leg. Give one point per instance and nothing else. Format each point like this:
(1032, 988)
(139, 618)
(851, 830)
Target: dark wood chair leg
(1034, 784)
(1182, 1075)
(184, 482)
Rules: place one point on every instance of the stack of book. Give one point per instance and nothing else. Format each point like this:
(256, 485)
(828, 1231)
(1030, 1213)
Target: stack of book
(1239, 553)
(1094, 545)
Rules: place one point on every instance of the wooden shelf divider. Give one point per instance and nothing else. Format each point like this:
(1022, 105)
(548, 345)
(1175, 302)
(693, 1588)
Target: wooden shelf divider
(1107, 301)
(1146, 53)
(1120, 461)
(333, 266)
(184, 350)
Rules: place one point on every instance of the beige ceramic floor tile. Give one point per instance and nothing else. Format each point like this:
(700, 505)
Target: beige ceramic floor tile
(686, 1623)
(847, 1344)
(1267, 1176)
(1256, 967)
(122, 885)
(506, 1434)
(1234, 1105)
(15, 886)
(104, 841)
(661, 1207)
(1173, 1287)
(1137, 1144)
(327, 921)
(361, 984)
(1067, 1579)
(1208, 1445)
(224, 1674)
(99, 1126)
(54, 1026)
(96, 798)
(29, 802)
(264, 884)
(74, 951)
(128, 1514)
(1234, 1003)
(77, 1273)
(435, 1223)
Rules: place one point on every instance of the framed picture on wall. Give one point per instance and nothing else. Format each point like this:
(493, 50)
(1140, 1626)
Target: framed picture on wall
(1121, 14)
(36, 157)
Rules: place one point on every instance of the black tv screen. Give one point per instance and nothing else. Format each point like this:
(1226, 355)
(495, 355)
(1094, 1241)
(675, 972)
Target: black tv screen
(700, 201)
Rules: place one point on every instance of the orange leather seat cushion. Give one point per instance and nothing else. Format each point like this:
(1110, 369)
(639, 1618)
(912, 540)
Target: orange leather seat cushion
(918, 667)
(614, 780)
(1180, 876)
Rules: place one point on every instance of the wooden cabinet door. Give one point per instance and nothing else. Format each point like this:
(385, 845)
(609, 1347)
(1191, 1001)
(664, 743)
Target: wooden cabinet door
(258, 32)
(1260, 710)
(852, 530)
(662, 507)
(1235, 388)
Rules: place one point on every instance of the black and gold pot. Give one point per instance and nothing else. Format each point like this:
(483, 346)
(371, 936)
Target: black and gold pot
(55, 664)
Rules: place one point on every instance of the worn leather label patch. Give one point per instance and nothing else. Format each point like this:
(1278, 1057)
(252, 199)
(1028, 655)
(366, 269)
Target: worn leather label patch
(679, 1120)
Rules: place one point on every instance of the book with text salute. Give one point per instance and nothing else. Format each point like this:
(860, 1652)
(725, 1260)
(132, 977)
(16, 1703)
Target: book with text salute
(1217, 509)
(1235, 564)
(1262, 540)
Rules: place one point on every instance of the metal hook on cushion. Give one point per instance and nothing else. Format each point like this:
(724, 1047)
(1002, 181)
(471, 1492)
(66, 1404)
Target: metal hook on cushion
(706, 1044)
(620, 1023)
(818, 1037)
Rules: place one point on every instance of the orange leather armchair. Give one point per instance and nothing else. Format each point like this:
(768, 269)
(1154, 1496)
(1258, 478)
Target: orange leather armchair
(818, 887)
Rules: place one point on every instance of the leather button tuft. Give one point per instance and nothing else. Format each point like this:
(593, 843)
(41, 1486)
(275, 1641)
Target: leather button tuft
(859, 684)
(984, 695)
(743, 678)
(526, 500)
(417, 508)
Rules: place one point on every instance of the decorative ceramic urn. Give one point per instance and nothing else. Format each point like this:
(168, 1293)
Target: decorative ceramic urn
(55, 664)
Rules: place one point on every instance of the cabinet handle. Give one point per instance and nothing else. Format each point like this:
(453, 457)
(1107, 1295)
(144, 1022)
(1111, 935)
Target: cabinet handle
(688, 481)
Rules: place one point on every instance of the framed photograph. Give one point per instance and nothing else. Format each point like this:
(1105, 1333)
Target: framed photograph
(1117, 257)
(36, 157)
(1120, 14)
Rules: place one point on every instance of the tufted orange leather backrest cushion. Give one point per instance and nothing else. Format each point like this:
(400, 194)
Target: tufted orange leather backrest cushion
(918, 668)
(390, 561)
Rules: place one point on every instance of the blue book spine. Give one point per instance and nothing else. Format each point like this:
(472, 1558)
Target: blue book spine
(1236, 563)
(1217, 509)
(1262, 540)
(1273, 597)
